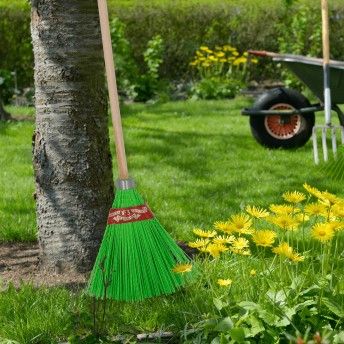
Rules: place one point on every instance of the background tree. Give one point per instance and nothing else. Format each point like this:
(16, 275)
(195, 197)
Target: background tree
(71, 159)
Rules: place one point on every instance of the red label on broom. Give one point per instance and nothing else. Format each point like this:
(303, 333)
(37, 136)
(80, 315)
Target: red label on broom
(132, 214)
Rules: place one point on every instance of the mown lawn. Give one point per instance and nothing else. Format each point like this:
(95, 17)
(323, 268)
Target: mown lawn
(195, 162)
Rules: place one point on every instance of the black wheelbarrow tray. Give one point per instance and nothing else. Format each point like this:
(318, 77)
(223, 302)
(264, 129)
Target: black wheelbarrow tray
(283, 117)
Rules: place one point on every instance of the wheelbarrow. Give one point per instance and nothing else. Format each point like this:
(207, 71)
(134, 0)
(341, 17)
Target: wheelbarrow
(283, 117)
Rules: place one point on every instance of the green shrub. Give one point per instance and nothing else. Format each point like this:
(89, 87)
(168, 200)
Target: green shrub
(183, 26)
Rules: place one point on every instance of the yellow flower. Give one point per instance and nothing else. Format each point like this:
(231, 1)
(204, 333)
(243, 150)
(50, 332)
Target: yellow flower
(336, 225)
(283, 249)
(253, 272)
(264, 238)
(312, 190)
(316, 209)
(199, 54)
(234, 52)
(224, 282)
(204, 48)
(240, 223)
(338, 209)
(204, 234)
(257, 212)
(199, 243)
(223, 226)
(215, 249)
(222, 60)
(220, 54)
(239, 60)
(322, 232)
(228, 47)
(240, 244)
(253, 60)
(294, 197)
(328, 199)
(223, 239)
(301, 217)
(286, 222)
(282, 209)
(182, 268)
(205, 64)
(245, 252)
(296, 257)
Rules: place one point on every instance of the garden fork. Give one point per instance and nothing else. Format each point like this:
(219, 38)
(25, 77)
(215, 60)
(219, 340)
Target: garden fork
(328, 127)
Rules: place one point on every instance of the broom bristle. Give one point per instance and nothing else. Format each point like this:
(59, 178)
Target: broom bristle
(135, 259)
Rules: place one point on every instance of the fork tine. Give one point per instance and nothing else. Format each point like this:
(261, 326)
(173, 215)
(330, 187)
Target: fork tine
(334, 141)
(324, 143)
(315, 145)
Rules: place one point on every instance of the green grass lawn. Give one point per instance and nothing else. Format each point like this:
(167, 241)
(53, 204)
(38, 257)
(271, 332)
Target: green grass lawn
(195, 162)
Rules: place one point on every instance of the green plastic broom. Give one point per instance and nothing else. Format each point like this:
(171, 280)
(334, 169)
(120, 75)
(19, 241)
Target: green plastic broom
(136, 256)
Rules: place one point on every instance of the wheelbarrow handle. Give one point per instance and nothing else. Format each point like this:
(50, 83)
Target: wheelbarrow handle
(262, 53)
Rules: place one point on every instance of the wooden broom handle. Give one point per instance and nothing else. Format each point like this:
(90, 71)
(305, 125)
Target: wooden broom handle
(112, 87)
(325, 31)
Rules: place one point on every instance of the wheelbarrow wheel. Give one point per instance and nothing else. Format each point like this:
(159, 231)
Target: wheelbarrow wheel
(275, 131)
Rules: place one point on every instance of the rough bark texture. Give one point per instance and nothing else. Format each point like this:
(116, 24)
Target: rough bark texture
(4, 115)
(71, 149)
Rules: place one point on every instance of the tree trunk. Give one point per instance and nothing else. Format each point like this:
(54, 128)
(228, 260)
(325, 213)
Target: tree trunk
(72, 162)
(4, 115)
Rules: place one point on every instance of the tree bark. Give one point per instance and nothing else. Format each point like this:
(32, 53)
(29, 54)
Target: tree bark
(72, 161)
(4, 115)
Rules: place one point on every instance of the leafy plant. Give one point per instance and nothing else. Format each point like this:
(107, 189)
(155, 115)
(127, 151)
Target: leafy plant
(299, 34)
(288, 260)
(222, 72)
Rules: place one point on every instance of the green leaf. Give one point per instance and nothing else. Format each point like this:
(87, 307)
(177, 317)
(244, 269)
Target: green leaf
(224, 325)
(333, 308)
(248, 305)
(338, 338)
(218, 304)
(256, 326)
(238, 334)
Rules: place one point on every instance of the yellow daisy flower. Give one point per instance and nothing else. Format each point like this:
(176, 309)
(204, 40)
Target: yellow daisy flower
(240, 223)
(198, 243)
(253, 272)
(240, 60)
(294, 197)
(223, 226)
(240, 244)
(244, 252)
(264, 238)
(336, 225)
(223, 239)
(257, 212)
(323, 232)
(215, 249)
(224, 282)
(312, 190)
(296, 258)
(316, 209)
(204, 234)
(282, 209)
(328, 198)
(338, 209)
(285, 222)
(204, 48)
(182, 268)
(283, 249)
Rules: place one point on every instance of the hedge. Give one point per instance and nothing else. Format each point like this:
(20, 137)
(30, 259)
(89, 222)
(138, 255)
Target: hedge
(183, 25)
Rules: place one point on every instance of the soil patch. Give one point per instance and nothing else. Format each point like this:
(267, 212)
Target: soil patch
(19, 262)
